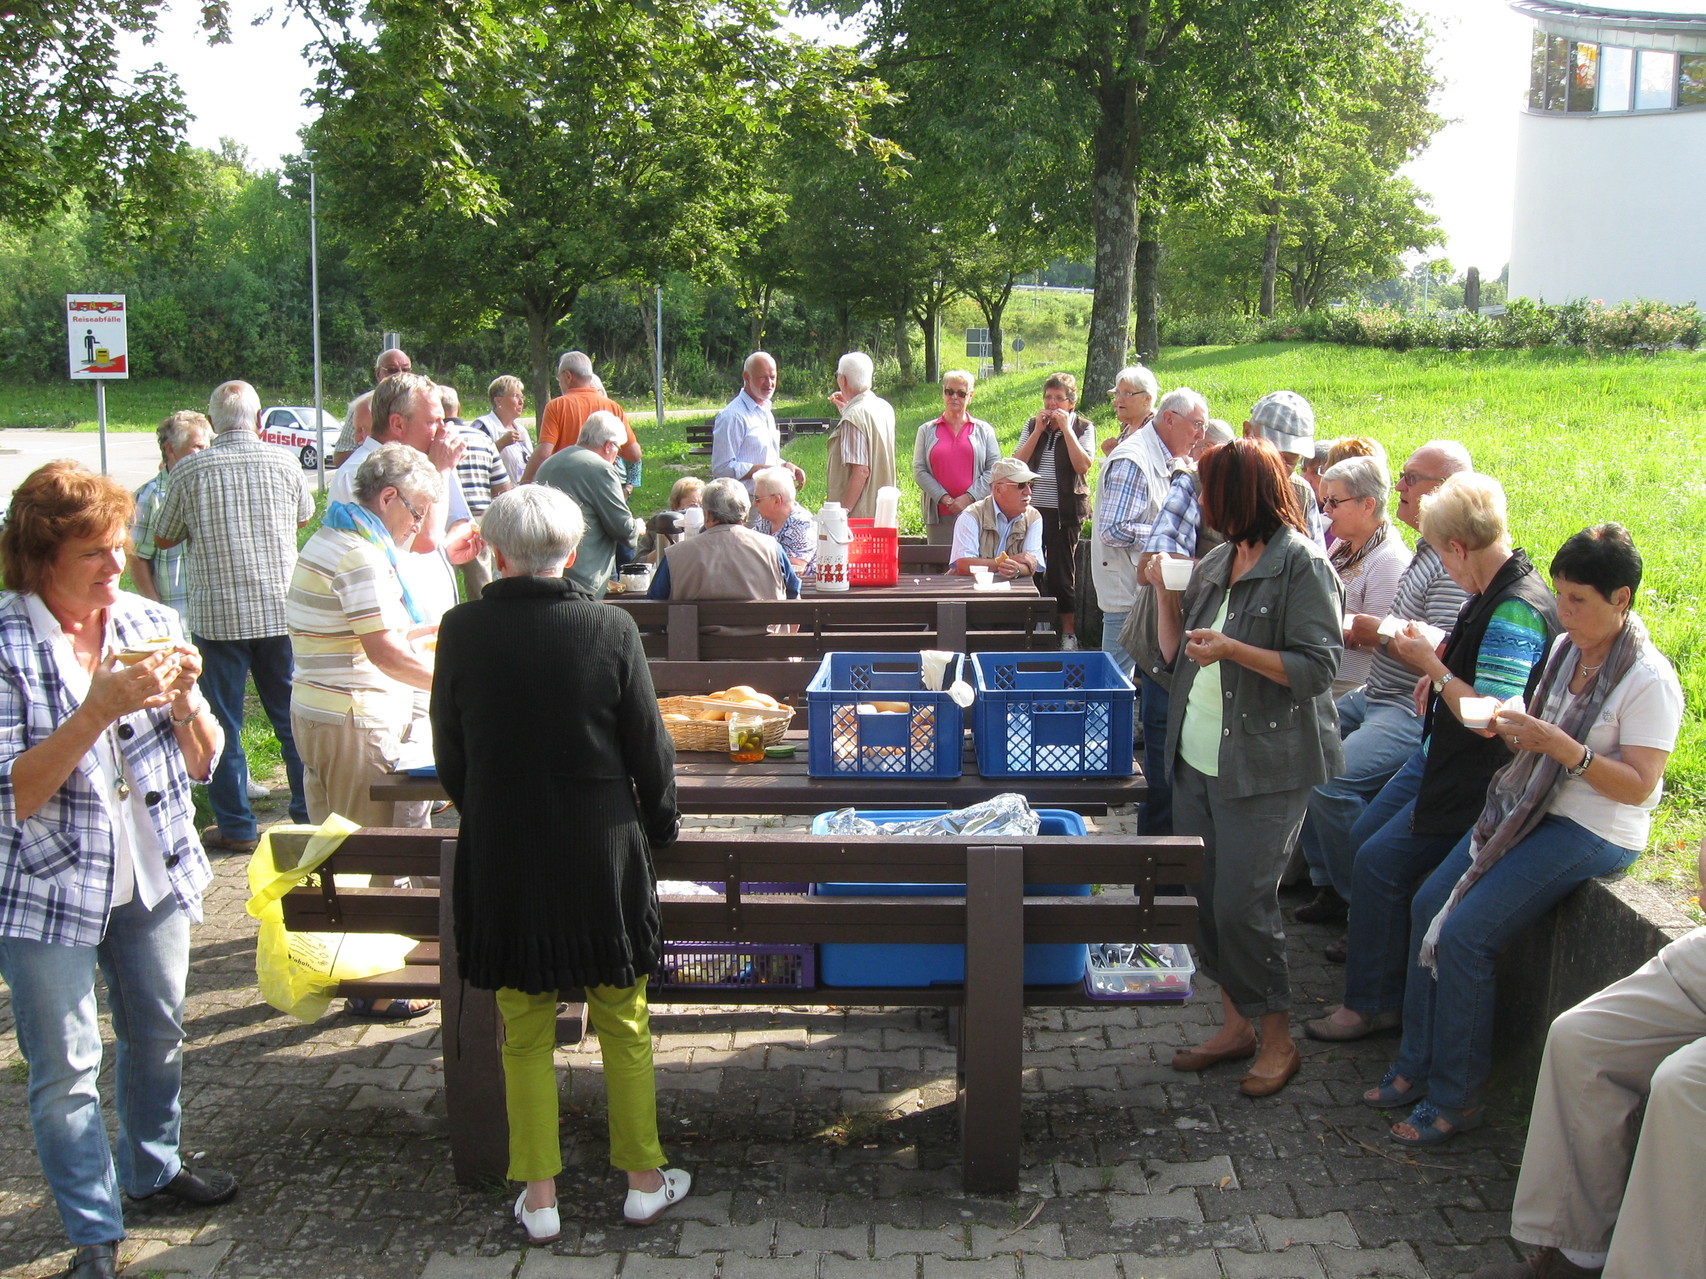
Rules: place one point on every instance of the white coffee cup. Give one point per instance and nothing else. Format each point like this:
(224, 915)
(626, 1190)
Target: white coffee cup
(1478, 712)
(1176, 574)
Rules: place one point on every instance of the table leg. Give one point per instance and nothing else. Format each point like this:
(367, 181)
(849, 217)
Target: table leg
(991, 1058)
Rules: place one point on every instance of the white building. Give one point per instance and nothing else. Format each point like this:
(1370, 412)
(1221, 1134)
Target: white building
(1611, 153)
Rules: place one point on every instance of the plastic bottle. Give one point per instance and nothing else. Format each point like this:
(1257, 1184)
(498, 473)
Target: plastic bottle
(834, 539)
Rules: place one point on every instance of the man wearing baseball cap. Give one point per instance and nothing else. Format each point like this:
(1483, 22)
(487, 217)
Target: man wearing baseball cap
(1287, 421)
(1003, 531)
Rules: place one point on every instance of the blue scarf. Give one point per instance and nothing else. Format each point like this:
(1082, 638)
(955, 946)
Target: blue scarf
(355, 518)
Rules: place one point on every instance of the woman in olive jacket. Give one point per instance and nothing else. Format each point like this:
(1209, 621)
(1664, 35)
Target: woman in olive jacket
(549, 740)
(1250, 731)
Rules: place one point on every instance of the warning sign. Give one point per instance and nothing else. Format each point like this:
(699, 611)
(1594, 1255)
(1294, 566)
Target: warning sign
(95, 325)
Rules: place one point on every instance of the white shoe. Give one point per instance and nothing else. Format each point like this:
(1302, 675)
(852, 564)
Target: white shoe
(646, 1206)
(257, 791)
(541, 1224)
(1068, 641)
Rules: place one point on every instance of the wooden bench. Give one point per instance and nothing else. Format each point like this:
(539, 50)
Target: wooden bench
(699, 433)
(992, 920)
(675, 630)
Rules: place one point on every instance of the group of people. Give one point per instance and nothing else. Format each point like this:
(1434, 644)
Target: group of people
(1308, 685)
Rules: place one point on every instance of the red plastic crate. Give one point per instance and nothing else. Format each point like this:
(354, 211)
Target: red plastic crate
(874, 557)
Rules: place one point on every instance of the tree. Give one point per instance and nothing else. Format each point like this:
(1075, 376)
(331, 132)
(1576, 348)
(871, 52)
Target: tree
(495, 159)
(1152, 84)
(70, 123)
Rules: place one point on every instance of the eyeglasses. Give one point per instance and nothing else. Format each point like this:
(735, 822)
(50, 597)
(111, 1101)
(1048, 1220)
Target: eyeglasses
(1018, 484)
(1334, 503)
(958, 393)
(408, 506)
(1120, 390)
(1409, 478)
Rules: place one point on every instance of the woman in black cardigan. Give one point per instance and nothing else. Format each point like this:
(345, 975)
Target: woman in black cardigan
(549, 740)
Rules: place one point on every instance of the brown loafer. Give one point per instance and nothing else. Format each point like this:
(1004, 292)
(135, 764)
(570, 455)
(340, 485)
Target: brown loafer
(1265, 1081)
(215, 840)
(1203, 1058)
(1368, 1024)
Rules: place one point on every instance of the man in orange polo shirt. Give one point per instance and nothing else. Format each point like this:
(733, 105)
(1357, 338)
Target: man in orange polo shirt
(560, 427)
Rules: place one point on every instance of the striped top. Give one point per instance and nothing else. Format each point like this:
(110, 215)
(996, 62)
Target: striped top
(1425, 593)
(344, 588)
(1516, 638)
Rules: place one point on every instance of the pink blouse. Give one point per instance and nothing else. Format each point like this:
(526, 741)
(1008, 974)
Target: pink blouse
(953, 461)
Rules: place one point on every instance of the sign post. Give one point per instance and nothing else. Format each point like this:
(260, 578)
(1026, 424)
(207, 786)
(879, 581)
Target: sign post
(98, 347)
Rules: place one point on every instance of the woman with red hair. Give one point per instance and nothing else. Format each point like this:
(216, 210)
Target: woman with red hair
(1251, 730)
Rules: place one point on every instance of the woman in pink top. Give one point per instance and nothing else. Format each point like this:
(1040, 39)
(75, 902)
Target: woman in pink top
(952, 458)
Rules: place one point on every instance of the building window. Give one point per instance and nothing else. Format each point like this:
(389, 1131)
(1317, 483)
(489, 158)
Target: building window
(1584, 77)
(1616, 78)
(1691, 81)
(1655, 81)
(1557, 71)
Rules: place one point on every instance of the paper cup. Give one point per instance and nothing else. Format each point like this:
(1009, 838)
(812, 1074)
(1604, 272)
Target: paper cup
(1176, 574)
(1478, 712)
(140, 652)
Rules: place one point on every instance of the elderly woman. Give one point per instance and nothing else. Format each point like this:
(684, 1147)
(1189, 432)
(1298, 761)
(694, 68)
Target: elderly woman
(1367, 553)
(1250, 730)
(1057, 444)
(353, 623)
(102, 730)
(1134, 390)
(777, 513)
(1575, 802)
(564, 783)
(1432, 800)
(952, 457)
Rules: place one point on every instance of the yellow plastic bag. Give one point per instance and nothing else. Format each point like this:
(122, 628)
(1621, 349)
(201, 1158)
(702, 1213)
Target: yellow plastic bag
(298, 972)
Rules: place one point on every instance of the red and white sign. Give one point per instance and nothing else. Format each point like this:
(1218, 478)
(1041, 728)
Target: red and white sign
(95, 327)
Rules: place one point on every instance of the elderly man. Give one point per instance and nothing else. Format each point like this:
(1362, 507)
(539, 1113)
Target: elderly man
(777, 513)
(1002, 531)
(1378, 721)
(482, 477)
(502, 426)
(744, 438)
(1287, 421)
(159, 572)
(560, 427)
(587, 471)
(861, 448)
(1135, 480)
(358, 417)
(237, 504)
(727, 561)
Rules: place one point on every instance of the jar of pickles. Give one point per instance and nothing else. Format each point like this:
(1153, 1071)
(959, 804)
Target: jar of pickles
(746, 738)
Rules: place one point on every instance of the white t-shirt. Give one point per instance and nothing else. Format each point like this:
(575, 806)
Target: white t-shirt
(1645, 709)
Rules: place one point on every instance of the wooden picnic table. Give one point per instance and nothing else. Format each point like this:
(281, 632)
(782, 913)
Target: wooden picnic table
(707, 782)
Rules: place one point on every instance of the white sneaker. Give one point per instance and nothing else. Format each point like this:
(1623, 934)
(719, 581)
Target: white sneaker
(1069, 641)
(257, 791)
(646, 1206)
(541, 1224)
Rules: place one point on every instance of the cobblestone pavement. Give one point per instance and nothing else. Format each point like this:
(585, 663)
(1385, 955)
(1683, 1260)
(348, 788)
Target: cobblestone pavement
(823, 1144)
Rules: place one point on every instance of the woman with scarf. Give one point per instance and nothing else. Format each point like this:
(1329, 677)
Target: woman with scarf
(1057, 444)
(1367, 554)
(1574, 803)
(353, 626)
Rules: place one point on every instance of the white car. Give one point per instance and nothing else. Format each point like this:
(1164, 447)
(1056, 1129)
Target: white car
(290, 427)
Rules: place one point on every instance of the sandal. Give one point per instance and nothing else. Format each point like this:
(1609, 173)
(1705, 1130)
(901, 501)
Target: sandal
(1422, 1120)
(1366, 1024)
(1385, 1096)
(394, 1010)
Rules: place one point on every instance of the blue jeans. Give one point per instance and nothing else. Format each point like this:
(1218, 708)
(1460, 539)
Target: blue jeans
(1390, 859)
(1112, 625)
(144, 959)
(226, 667)
(1448, 1022)
(1378, 738)
(1157, 815)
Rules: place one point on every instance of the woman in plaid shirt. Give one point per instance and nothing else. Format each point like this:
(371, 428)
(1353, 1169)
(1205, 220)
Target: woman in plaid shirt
(100, 865)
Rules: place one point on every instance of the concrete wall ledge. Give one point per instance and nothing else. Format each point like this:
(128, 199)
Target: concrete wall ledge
(1599, 934)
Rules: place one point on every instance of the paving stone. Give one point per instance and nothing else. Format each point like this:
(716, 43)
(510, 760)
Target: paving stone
(1200, 1263)
(792, 1239)
(1296, 1263)
(736, 1266)
(955, 1268)
(892, 1241)
(1398, 1261)
(1039, 1239)
(177, 1259)
(832, 1267)
(1123, 1210)
(1216, 1171)
(1282, 1232)
(754, 1240)
(637, 1267)
(445, 1265)
(539, 1264)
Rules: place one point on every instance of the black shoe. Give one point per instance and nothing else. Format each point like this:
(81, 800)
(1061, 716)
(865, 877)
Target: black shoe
(94, 1261)
(1338, 952)
(1327, 907)
(203, 1189)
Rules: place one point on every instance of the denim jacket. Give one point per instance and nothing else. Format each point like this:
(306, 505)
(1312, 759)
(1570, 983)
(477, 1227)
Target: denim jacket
(1273, 737)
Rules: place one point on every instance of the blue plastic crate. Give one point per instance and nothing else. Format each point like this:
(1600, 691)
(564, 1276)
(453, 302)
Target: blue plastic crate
(926, 741)
(1066, 714)
(892, 964)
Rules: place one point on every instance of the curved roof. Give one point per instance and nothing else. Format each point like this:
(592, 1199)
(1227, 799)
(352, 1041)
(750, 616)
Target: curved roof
(1650, 15)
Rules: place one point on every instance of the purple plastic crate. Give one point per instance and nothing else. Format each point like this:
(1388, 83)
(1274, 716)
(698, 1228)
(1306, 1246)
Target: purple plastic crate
(738, 965)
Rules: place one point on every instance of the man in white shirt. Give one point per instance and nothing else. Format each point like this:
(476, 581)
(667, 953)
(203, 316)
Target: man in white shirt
(744, 438)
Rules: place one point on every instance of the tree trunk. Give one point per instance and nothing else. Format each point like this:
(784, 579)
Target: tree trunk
(1472, 290)
(1114, 222)
(539, 346)
(994, 306)
(928, 317)
(648, 323)
(1270, 257)
(1147, 286)
(903, 345)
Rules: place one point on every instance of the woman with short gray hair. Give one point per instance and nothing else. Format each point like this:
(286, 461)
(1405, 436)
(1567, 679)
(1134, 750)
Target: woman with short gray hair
(1369, 556)
(354, 628)
(564, 781)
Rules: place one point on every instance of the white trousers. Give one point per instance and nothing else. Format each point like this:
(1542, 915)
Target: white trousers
(1595, 1177)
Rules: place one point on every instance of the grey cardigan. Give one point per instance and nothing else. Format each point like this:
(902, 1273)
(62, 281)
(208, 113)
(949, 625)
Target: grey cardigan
(985, 450)
(1273, 737)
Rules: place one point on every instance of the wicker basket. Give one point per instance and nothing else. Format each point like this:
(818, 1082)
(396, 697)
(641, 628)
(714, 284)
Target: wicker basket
(713, 735)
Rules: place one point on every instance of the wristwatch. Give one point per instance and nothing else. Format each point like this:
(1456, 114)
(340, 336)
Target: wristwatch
(1442, 681)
